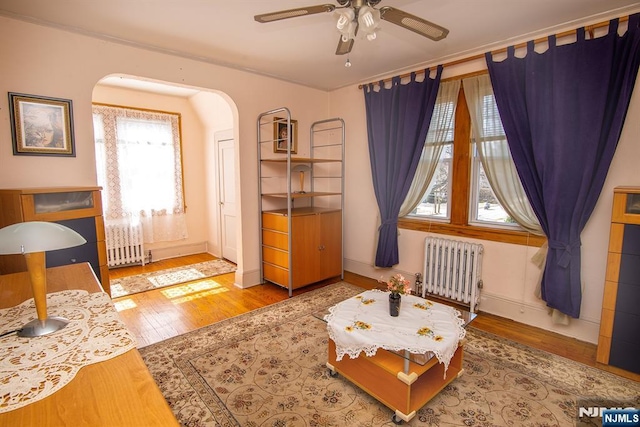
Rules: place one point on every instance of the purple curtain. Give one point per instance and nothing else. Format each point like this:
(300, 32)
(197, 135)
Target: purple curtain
(563, 112)
(398, 119)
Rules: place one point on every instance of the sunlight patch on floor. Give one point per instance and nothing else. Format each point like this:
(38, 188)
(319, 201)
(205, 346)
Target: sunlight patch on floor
(200, 295)
(124, 304)
(191, 291)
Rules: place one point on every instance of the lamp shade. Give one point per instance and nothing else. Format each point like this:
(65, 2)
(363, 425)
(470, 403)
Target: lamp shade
(37, 236)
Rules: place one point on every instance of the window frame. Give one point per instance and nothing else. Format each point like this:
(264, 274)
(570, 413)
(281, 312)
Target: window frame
(459, 198)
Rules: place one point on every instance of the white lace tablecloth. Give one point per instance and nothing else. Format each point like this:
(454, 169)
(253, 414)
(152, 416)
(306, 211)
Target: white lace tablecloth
(363, 324)
(34, 368)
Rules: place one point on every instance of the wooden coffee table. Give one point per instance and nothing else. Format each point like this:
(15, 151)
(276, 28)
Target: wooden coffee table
(402, 381)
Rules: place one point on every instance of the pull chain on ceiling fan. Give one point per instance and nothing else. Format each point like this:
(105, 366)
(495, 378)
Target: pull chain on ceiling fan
(361, 15)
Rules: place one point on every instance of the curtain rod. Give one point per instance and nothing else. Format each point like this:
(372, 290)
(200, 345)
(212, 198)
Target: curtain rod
(588, 28)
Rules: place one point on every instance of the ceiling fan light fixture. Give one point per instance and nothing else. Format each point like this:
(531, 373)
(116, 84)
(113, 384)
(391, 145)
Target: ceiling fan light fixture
(346, 24)
(368, 18)
(349, 32)
(368, 21)
(345, 17)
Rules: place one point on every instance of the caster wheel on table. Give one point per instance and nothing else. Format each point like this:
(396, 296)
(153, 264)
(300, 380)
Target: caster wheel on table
(332, 373)
(396, 420)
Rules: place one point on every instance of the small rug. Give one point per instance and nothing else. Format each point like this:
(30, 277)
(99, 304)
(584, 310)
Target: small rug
(172, 276)
(267, 368)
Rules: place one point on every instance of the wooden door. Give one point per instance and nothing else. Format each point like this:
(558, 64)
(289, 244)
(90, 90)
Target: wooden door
(227, 199)
(331, 244)
(305, 249)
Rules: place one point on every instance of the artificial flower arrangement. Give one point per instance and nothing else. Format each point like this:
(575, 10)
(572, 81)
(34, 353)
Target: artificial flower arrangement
(397, 284)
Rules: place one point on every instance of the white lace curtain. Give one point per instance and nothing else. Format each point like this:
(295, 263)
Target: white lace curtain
(139, 167)
(493, 150)
(440, 131)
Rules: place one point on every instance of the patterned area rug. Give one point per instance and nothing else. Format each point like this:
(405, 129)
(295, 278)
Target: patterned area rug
(172, 276)
(267, 368)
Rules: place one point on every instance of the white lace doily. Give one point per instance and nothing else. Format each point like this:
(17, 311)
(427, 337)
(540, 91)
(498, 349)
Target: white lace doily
(363, 324)
(34, 368)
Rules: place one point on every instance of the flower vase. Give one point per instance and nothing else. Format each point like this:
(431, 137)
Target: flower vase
(394, 304)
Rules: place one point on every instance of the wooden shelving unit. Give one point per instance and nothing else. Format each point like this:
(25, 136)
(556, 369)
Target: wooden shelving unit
(301, 211)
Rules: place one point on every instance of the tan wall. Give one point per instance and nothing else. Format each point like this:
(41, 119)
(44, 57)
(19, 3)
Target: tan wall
(44, 61)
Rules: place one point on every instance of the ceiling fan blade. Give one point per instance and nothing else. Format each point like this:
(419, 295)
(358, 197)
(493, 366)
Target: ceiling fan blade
(344, 47)
(293, 13)
(411, 22)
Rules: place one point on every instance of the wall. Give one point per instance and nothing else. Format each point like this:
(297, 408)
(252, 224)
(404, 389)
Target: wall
(509, 277)
(45, 61)
(216, 114)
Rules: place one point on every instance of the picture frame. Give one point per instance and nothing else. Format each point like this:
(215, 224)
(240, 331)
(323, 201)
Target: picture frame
(41, 126)
(280, 133)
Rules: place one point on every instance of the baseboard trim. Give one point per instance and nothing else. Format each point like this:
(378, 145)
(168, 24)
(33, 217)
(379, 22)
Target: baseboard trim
(538, 316)
(158, 254)
(526, 313)
(247, 279)
(368, 270)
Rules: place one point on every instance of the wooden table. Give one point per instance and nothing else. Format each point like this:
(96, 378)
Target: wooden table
(383, 377)
(401, 381)
(116, 392)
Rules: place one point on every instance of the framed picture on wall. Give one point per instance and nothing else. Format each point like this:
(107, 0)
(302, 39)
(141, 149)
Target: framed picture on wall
(41, 126)
(280, 135)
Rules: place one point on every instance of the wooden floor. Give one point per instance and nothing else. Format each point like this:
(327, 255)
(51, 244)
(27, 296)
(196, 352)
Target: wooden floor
(159, 314)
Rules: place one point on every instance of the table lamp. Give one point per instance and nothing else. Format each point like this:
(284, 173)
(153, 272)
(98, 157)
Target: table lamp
(32, 239)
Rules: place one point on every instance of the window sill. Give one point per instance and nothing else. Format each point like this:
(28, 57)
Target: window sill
(475, 232)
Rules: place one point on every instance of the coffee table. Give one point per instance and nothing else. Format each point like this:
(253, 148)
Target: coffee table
(402, 379)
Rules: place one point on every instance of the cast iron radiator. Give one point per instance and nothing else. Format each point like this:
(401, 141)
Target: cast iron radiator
(453, 270)
(125, 245)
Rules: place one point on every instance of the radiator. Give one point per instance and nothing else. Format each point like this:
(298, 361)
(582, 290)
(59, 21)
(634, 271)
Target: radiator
(124, 244)
(453, 271)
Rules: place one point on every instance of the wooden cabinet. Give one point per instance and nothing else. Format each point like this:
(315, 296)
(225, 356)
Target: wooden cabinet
(619, 340)
(301, 202)
(315, 242)
(79, 208)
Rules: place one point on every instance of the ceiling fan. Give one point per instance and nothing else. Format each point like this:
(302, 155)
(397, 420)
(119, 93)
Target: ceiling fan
(361, 15)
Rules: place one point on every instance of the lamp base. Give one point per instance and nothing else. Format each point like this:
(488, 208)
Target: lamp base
(36, 328)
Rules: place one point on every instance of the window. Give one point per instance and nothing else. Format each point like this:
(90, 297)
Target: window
(139, 166)
(485, 208)
(434, 201)
(469, 207)
(428, 195)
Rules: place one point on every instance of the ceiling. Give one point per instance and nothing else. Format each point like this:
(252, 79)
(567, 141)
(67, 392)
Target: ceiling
(302, 50)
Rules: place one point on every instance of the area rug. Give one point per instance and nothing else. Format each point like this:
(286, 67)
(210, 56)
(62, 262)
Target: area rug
(267, 368)
(169, 277)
